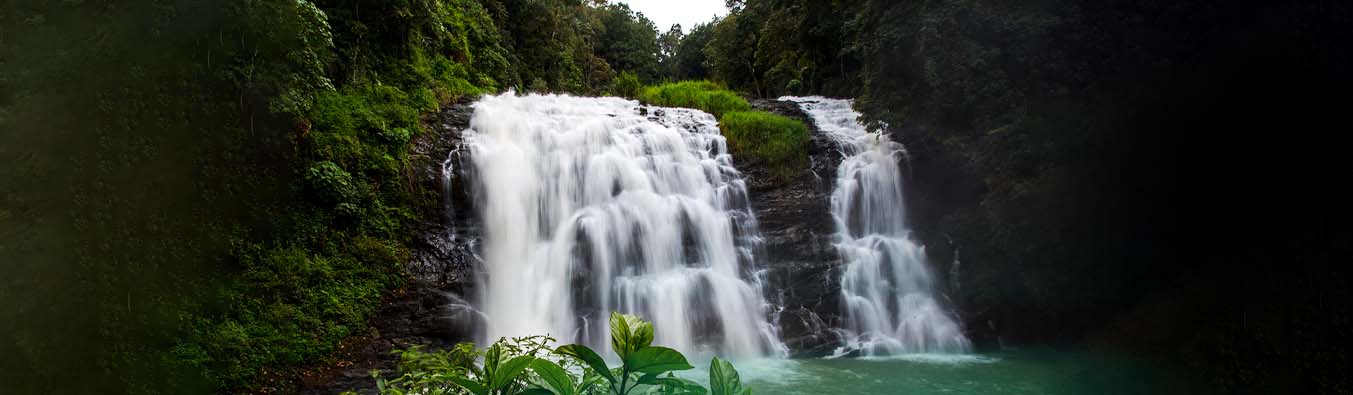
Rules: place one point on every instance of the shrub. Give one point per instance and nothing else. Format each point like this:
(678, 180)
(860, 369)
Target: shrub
(780, 141)
(293, 296)
(329, 183)
(702, 95)
(627, 85)
(288, 306)
(524, 366)
(539, 85)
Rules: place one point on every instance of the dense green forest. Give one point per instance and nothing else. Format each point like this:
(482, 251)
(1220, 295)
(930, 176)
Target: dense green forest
(196, 192)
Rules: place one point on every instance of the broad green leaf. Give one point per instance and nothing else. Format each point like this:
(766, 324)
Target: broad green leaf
(589, 357)
(723, 378)
(649, 378)
(620, 334)
(492, 357)
(629, 333)
(590, 379)
(509, 371)
(641, 335)
(556, 379)
(679, 386)
(656, 360)
(535, 391)
(473, 387)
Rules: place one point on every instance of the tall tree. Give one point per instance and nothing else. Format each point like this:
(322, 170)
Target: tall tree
(730, 52)
(688, 61)
(667, 49)
(629, 42)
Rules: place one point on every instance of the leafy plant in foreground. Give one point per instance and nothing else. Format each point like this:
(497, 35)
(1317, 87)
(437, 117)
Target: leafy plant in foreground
(642, 364)
(455, 371)
(521, 367)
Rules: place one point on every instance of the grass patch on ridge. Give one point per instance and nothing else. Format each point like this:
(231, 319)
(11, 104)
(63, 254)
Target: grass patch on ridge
(780, 141)
(701, 95)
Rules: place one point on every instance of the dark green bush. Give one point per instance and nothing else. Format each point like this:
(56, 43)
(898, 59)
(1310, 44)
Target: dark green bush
(330, 183)
(627, 85)
(289, 306)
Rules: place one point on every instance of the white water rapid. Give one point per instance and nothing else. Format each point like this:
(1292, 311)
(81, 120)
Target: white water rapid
(590, 207)
(890, 301)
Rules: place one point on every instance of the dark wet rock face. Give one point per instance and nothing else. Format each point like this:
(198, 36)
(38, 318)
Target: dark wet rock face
(801, 262)
(442, 250)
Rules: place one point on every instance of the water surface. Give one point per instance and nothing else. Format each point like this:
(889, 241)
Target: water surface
(1021, 372)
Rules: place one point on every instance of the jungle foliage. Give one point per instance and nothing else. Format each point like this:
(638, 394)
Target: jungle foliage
(529, 366)
(198, 192)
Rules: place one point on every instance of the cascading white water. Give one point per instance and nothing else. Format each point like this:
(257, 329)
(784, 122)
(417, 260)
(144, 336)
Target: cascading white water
(589, 207)
(890, 304)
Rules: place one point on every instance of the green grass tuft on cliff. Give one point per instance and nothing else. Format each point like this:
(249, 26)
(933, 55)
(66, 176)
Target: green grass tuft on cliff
(702, 95)
(780, 141)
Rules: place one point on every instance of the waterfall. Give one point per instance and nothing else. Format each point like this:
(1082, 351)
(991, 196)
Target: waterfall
(890, 300)
(590, 205)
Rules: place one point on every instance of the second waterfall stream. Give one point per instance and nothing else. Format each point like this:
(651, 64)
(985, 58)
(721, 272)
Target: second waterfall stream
(891, 304)
(590, 206)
